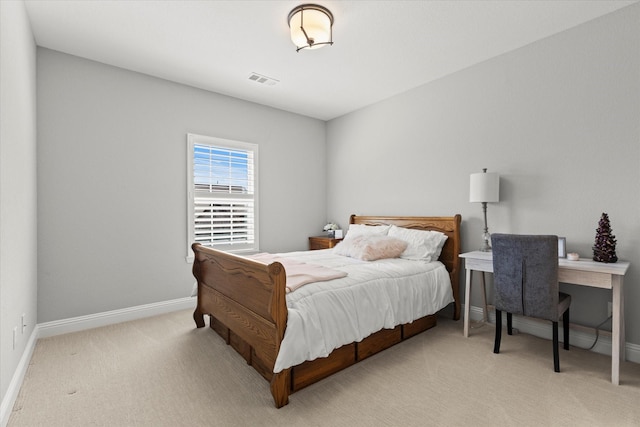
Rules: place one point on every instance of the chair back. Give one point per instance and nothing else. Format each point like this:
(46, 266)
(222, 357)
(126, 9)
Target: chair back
(525, 269)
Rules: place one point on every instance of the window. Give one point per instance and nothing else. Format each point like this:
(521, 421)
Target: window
(222, 194)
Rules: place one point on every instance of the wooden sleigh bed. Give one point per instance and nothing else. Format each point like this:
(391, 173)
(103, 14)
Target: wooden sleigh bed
(246, 302)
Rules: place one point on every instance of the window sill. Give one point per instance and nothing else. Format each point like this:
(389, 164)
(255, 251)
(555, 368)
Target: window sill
(189, 259)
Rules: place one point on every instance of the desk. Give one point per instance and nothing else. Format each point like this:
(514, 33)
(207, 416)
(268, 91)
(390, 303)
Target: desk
(584, 272)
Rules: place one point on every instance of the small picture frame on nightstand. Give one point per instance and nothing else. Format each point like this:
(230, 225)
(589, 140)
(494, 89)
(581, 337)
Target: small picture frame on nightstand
(562, 247)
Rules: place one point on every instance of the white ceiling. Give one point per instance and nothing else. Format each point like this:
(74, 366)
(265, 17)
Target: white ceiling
(381, 48)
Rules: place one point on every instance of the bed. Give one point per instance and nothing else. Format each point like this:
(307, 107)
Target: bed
(246, 301)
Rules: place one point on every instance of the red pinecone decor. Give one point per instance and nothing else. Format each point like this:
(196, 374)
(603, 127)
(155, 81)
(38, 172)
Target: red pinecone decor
(604, 249)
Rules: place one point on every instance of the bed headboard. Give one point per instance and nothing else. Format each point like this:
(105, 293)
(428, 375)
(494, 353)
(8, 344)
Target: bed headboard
(450, 225)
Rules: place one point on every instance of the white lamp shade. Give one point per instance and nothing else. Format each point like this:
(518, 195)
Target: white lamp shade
(317, 25)
(484, 187)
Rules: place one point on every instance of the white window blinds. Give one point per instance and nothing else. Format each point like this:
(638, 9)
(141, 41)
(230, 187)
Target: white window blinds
(222, 193)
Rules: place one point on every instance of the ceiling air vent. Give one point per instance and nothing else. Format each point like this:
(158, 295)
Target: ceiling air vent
(259, 78)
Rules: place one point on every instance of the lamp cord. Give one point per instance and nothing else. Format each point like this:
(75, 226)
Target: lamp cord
(597, 329)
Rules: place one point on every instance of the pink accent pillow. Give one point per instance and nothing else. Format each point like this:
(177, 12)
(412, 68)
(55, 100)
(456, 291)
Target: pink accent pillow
(371, 247)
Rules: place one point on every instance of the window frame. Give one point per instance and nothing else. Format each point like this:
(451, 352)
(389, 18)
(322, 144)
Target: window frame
(224, 144)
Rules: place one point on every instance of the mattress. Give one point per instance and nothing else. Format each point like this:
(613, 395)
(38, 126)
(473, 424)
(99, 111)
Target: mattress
(374, 295)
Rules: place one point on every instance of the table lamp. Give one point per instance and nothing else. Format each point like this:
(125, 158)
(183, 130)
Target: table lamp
(484, 188)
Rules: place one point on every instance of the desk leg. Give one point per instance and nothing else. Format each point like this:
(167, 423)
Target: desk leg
(467, 302)
(617, 329)
(623, 337)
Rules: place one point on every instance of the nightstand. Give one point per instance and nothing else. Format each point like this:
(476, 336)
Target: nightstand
(322, 242)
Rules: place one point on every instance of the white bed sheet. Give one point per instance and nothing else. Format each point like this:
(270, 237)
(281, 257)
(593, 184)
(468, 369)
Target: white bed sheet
(323, 316)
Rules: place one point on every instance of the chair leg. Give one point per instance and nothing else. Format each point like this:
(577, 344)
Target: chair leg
(556, 356)
(496, 345)
(565, 327)
(510, 323)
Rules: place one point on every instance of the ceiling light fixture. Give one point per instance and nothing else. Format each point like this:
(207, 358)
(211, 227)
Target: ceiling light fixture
(311, 26)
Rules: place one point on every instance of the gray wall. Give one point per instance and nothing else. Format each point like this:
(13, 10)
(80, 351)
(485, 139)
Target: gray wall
(112, 182)
(558, 119)
(18, 287)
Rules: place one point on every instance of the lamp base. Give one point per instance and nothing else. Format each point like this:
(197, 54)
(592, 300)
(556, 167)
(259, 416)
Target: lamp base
(486, 242)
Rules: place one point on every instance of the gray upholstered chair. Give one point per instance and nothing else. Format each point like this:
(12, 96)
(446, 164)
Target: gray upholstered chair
(525, 272)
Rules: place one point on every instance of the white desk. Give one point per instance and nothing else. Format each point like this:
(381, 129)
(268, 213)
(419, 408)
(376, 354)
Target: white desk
(584, 272)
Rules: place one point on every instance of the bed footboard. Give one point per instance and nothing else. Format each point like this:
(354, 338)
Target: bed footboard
(248, 298)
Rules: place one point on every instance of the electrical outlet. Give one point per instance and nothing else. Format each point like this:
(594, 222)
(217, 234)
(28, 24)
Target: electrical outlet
(23, 323)
(609, 308)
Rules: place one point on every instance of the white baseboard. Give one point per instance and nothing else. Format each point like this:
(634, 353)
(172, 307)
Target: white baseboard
(76, 324)
(581, 336)
(81, 323)
(11, 395)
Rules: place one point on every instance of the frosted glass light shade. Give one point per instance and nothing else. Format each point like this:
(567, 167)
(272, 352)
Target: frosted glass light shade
(310, 26)
(484, 187)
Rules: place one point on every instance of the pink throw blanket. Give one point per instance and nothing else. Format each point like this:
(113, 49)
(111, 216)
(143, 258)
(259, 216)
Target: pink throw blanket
(299, 273)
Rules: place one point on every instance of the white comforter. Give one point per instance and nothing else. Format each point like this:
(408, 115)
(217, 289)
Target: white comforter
(323, 316)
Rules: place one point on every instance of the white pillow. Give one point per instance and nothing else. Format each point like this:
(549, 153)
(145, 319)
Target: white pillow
(422, 244)
(371, 247)
(366, 230)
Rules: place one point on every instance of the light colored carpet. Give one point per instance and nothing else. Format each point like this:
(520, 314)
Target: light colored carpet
(162, 371)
